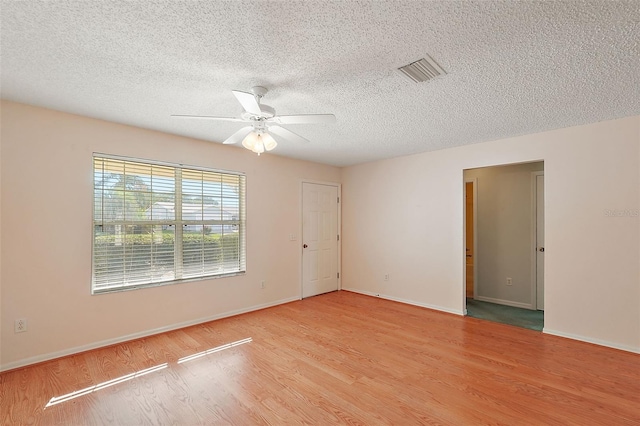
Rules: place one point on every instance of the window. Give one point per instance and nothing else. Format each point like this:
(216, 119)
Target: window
(162, 223)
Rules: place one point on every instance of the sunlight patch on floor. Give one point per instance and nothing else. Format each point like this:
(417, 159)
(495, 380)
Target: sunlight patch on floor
(68, 397)
(213, 350)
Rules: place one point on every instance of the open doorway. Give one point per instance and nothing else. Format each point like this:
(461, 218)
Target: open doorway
(504, 244)
(470, 197)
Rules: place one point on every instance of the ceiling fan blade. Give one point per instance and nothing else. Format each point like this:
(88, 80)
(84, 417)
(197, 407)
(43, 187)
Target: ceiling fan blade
(207, 117)
(248, 102)
(238, 136)
(287, 134)
(304, 119)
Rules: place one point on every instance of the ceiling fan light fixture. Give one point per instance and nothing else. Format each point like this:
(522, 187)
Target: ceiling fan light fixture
(259, 142)
(268, 141)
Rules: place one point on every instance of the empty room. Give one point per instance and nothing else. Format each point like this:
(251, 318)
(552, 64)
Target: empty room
(316, 212)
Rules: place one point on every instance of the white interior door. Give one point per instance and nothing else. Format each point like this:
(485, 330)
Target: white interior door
(540, 242)
(319, 239)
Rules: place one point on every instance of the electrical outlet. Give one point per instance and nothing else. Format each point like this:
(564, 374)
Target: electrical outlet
(21, 325)
(262, 284)
(386, 277)
(509, 281)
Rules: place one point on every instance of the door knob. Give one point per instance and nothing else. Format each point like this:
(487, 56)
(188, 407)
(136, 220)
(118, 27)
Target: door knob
(305, 246)
(541, 249)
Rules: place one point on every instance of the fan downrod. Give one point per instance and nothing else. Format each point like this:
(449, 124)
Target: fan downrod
(259, 91)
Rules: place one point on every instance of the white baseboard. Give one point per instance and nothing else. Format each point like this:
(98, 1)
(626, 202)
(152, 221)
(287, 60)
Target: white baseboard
(504, 302)
(592, 340)
(52, 355)
(408, 302)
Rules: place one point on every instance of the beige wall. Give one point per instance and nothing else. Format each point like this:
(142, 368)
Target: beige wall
(404, 217)
(401, 217)
(1, 320)
(504, 233)
(46, 169)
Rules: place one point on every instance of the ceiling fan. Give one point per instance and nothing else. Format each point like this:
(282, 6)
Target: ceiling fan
(263, 122)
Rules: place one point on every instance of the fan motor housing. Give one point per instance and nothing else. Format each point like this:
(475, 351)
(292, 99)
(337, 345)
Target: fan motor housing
(267, 112)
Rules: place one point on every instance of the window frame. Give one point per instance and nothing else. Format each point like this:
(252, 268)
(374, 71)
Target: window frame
(238, 222)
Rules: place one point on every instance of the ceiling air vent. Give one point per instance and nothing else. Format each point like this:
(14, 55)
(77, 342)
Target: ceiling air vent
(422, 70)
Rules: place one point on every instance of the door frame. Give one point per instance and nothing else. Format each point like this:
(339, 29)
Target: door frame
(301, 229)
(534, 238)
(464, 239)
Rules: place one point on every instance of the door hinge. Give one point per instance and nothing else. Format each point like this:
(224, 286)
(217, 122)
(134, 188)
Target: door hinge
(338, 237)
(338, 199)
(338, 274)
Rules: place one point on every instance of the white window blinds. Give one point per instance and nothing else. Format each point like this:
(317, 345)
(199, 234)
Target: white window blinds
(160, 223)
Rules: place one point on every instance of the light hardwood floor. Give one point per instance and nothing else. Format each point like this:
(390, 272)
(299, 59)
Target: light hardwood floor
(332, 359)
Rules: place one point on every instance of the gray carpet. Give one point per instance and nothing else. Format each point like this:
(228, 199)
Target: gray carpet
(519, 317)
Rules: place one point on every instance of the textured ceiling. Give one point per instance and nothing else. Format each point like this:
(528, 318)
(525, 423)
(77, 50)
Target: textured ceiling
(514, 67)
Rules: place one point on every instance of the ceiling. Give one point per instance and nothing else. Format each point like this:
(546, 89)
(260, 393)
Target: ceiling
(513, 67)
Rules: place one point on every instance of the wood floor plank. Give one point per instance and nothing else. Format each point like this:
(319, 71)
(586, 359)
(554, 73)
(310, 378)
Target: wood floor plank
(339, 358)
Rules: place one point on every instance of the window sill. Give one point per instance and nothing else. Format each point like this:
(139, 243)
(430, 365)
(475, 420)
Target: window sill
(108, 290)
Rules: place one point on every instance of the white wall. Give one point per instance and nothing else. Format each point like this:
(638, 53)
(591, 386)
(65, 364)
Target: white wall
(46, 183)
(404, 216)
(504, 232)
